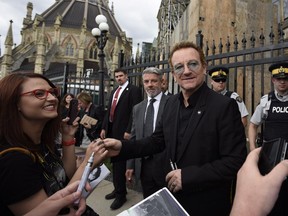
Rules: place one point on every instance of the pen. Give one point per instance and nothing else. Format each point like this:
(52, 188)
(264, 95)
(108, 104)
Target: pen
(173, 165)
(85, 175)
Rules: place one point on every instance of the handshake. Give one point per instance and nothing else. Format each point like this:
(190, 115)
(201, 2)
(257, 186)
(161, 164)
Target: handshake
(111, 146)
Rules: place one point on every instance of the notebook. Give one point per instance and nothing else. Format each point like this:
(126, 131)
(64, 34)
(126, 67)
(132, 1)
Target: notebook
(160, 203)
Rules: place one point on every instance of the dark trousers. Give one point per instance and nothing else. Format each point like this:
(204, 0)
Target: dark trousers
(119, 179)
(148, 181)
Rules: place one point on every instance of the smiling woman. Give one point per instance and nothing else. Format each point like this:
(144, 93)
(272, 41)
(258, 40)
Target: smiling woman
(29, 125)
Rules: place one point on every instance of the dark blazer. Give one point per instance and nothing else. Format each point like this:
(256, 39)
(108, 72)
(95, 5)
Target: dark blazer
(137, 133)
(122, 122)
(213, 150)
(94, 132)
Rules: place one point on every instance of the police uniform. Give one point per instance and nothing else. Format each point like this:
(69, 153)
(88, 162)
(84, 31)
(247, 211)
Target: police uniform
(221, 73)
(273, 108)
(273, 113)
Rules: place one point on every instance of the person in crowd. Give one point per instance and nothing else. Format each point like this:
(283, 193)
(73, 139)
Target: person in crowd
(117, 124)
(65, 103)
(31, 168)
(272, 113)
(203, 135)
(271, 109)
(219, 76)
(257, 194)
(149, 169)
(87, 131)
(165, 85)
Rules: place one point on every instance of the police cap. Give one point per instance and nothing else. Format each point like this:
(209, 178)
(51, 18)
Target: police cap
(220, 72)
(279, 70)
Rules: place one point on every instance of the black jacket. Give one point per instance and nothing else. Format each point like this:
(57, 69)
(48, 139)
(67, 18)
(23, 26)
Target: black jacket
(93, 133)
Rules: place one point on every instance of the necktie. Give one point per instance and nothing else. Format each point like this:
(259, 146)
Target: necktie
(114, 103)
(148, 127)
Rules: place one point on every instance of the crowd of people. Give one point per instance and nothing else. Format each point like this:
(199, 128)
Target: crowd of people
(193, 142)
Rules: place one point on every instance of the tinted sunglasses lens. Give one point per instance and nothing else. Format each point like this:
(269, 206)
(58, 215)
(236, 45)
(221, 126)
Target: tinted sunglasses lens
(220, 80)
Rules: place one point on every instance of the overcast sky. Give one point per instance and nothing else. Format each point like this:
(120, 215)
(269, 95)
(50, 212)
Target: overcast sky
(136, 17)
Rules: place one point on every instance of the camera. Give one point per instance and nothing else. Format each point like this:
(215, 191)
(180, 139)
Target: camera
(272, 152)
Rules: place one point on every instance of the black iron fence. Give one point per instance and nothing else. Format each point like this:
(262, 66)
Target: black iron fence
(248, 60)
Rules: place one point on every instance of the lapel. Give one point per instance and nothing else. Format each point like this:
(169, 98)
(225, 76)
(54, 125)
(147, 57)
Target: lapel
(111, 97)
(194, 120)
(125, 91)
(173, 121)
(141, 116)
(161, 107)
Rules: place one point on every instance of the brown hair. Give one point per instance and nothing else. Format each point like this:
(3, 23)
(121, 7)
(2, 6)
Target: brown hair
(184, 45)
(85, 98)
(11, 131)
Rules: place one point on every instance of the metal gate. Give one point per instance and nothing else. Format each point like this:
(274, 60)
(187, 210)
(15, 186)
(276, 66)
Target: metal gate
(248, 64)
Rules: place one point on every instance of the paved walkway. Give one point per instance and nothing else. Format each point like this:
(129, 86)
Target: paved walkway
(97, 201)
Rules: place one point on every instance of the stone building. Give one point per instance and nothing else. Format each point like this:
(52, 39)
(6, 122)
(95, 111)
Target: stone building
(216, 19)
(62, 34)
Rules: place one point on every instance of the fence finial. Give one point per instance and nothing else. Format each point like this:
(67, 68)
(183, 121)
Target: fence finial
(199, 39)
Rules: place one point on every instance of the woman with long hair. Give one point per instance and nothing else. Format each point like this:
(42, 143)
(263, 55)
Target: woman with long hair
(31, 168)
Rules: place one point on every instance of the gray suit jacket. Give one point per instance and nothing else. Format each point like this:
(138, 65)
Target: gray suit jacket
(137, 133)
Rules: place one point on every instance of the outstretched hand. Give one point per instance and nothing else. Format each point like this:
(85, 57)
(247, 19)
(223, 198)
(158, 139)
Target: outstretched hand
(113, 146)
(100, 153)
(257, 194)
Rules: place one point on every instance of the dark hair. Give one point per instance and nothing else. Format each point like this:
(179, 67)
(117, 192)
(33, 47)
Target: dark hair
(63, 101)
(11, 131)
(120, 70)
(187, 44)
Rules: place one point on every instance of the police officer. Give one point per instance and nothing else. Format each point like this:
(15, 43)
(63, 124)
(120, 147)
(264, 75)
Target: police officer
(218, 83)
(273, 108)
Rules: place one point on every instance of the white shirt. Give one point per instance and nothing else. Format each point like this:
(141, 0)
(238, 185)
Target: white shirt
(123, 87)
(241, 105)
(156, 107)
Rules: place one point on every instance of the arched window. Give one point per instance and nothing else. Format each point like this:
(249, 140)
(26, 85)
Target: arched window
(93, 52)
(69, 49)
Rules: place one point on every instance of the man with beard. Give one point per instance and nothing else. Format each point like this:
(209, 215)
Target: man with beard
(149, 169)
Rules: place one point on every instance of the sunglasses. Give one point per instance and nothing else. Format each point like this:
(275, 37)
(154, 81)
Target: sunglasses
(42, 93)
(220, 80)
(191, 65)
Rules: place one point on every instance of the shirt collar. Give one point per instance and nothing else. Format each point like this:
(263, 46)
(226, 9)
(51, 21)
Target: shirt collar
(193, 99)
(157, 97)
(125, 85)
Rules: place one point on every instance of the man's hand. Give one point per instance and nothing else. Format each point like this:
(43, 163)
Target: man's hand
(127, 136)
(174, 180)
(128, 175)
(113, 146)
(103, 134)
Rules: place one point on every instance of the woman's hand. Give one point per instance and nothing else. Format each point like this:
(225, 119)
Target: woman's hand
(68, 131)
(100, 153)
(61, 199)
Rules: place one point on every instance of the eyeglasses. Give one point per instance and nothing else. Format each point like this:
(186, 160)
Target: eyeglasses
(192, 66)
(42, 93)
(220, 80)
